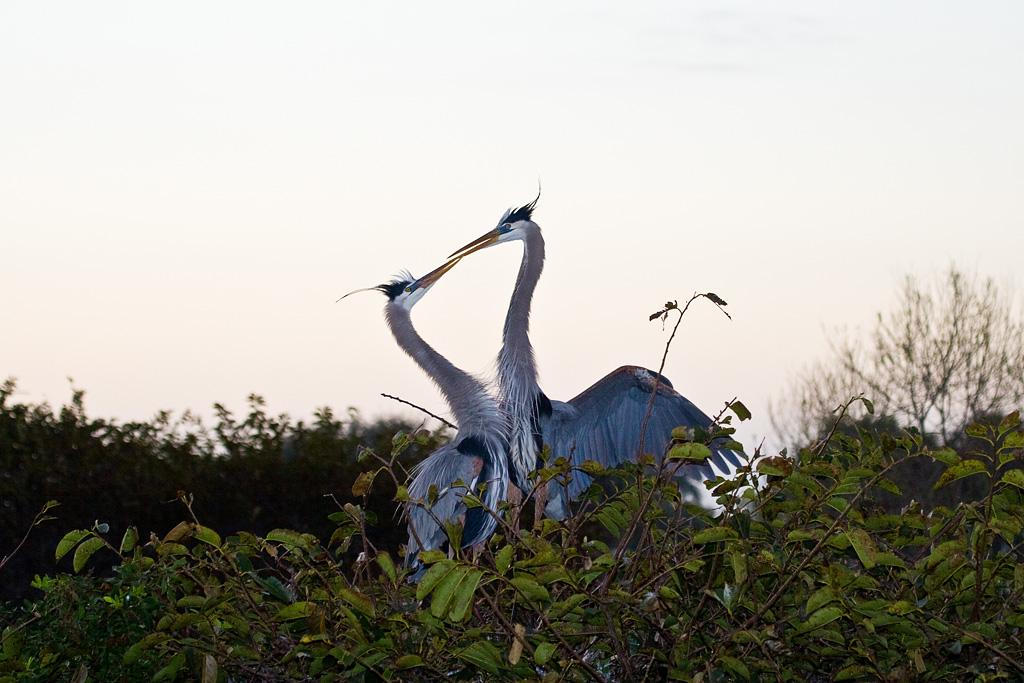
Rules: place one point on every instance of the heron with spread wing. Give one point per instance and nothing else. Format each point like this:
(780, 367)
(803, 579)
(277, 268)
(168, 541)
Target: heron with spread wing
(605, 423)
(477, 456)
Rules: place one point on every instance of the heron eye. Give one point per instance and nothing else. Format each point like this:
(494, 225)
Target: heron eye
(409, 288)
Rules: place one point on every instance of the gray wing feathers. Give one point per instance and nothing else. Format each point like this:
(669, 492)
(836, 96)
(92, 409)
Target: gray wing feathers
(604, 423)
(447, 465)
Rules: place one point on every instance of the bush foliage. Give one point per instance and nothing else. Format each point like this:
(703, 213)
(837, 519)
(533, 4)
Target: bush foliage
(796, 575)
(255, 473)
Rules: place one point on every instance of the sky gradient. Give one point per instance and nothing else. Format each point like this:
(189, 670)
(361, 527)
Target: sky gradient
(187, 190)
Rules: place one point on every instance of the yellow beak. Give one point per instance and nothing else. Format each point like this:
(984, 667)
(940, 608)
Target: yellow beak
(435, 275)
(479, 243)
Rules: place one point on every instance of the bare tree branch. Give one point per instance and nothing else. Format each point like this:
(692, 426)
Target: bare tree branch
(951, 351)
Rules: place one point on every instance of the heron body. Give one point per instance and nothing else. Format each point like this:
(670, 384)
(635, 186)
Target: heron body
(476, 456)
(606, 422)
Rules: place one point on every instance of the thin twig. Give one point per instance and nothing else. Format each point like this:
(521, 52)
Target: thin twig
(40, 517)
(663, 314)
(424, 410)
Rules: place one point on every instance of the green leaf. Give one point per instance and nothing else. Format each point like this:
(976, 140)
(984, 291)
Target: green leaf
(209, 669)
(964, 468)
(866, 549)
(825, 615)
(1014, 478)
(690, 451)
(946, 455)
(1011, 421)
(715, 534)
(570, 604)
(361, 602)
(668, 593)
(837, 503)
(128, 541)
(976, 430)
(288, 537)
(741, 410)
(945, 550)
(135, 652)
(207, 535)
(464, 594)
(820, 598)
(854, 672)
(889, 485)
(387, 565)
(889, 560)
(297, 610)
(775, 466)
(85, 551)
(739, 566)
(408, 662)
(70, 540)
(273, 585)
(805, 482)
(530, 588)
(444, 594)
(191, 601)
(433, 576)
(542, 653)
(483, 655)
(504, 559)
(432, 556)
(362, 483)
(1014, 440)
(735, 666)
(171, 670)
(868, 404)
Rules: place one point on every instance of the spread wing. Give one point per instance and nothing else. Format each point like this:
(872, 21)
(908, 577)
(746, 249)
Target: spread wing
(604, 423)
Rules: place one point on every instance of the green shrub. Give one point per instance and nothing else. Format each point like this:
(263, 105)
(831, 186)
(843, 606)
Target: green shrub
(796, 576)
(255, 473)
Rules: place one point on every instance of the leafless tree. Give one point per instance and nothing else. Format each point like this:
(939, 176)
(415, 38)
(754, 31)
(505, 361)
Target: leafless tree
(951, 352)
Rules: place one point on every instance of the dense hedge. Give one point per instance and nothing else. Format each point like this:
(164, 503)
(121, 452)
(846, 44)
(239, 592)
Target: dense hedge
(253, 474)
(797, 576)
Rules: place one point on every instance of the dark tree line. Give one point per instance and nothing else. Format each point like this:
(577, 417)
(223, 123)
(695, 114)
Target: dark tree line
(255, 473)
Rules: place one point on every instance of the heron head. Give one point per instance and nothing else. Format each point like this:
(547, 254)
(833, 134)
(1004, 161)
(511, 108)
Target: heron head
(512, 226)
(405, 290)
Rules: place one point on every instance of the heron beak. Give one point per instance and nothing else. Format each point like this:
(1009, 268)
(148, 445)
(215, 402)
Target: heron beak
(479, 243)
(435, 275)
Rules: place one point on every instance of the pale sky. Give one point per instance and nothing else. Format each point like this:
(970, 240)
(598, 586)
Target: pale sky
(186, 189)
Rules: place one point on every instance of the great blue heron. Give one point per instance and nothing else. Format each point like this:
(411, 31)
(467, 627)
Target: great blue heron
(478, 453)
(605, 422)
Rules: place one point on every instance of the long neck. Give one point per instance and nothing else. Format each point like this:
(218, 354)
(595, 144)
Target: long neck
(516, 364)
(517, 370)
(474, 409)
